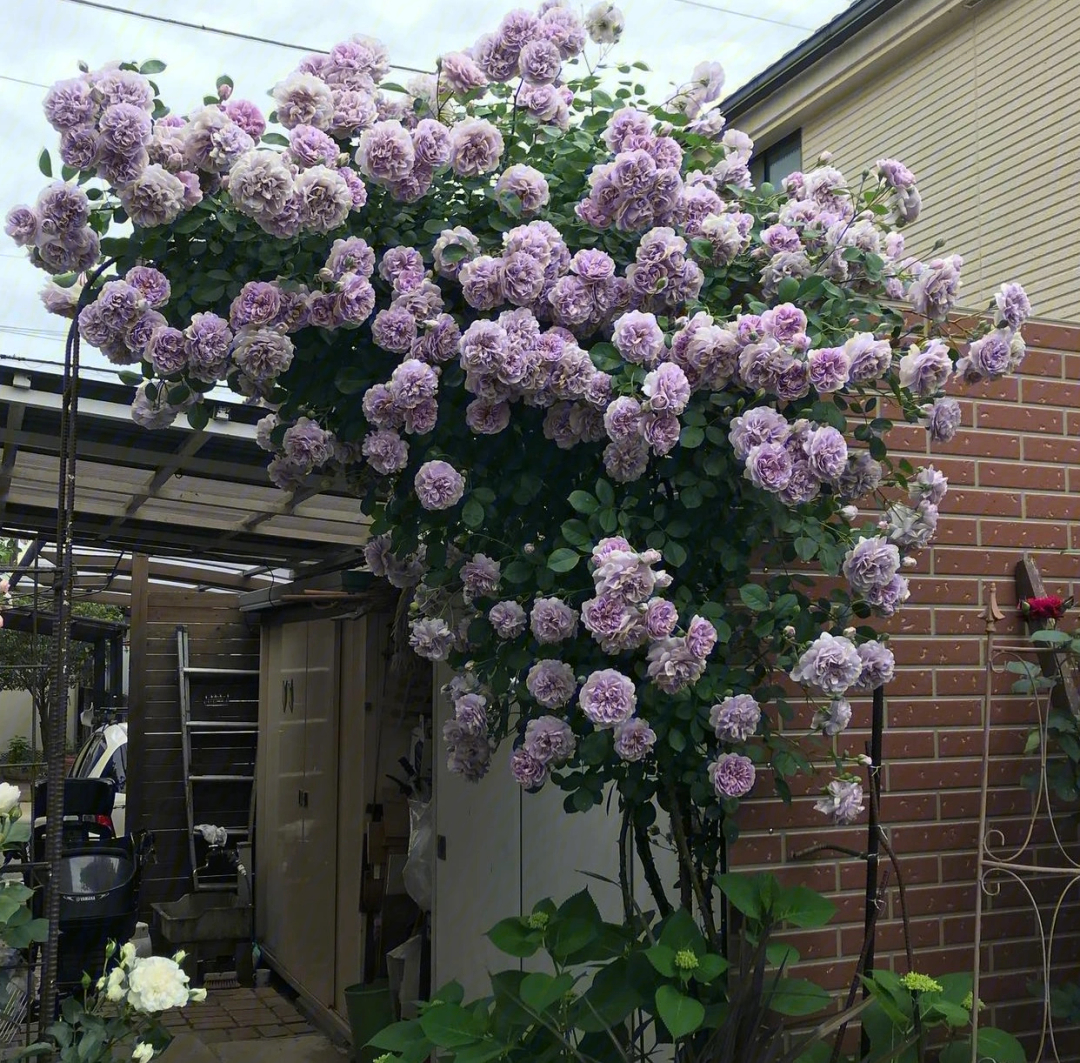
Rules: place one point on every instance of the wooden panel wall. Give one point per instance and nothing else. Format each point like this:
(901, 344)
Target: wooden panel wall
(220, 637)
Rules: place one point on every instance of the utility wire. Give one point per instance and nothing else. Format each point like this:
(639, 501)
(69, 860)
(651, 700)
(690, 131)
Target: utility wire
(724, 11)
(22, 81)
(223, 33)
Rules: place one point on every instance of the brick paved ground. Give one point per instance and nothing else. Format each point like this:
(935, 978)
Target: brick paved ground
(239, 1015)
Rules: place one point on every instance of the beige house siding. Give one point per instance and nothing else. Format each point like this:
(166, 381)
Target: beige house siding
(981, 103)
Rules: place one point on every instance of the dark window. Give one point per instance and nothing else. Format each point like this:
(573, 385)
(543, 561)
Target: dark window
(778, 160)
(116, 769)
(86, 760)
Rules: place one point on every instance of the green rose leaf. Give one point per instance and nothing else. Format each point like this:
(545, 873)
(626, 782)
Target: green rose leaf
(563, 560)
(754, 597)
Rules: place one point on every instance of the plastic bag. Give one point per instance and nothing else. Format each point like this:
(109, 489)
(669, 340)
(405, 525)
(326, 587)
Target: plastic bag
(418, 869)
(212, 835)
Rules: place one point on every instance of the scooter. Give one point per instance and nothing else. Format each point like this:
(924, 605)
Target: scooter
(98, 879)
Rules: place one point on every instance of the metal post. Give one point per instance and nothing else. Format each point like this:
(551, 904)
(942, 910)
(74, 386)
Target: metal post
(877, 728)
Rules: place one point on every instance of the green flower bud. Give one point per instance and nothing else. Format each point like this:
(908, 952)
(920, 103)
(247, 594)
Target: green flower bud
(686, 960)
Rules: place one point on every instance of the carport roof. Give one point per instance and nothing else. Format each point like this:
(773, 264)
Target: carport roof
(176, 492)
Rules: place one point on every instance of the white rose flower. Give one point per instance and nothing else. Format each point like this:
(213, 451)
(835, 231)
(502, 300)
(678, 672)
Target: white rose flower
(197, 996)
(9, 798)
(143, 1052)
(127, 954)
(114, 985)
(156, 984)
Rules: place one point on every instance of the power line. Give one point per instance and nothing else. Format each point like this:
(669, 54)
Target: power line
(22, 81)
(724, 11)
(223, 33)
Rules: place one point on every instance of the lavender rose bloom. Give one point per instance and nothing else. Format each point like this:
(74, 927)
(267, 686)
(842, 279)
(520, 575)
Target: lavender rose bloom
(925, 371)
(826, 453)
(843, 801)
(942, 419)
(831, 664)
(769, 466)
(736, 718)
(438, 485)
(476, 146)
(667, 388)
(928, 486)
(552, 620)
(69, 104)
(480, 577)
(262, 353)
(152, 283)
(22, 225)
(634, 740)
(166, 352)
(386, 452)
(660, 618)
(871, 563)
(156, 197)
(508, 619)
(527, 186)
(732, 775)
(386, 152)
(830, 368)
(549, 740)
(762, 424)
(323, 199)
(608, 697)
(551, 683)
(834, 719)
(431, 638)
(527, 771)
(1013, 306)
(638, 338)
(870, 357)
(878, 665)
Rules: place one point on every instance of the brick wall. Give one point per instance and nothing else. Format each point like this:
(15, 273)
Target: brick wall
(1014, 486)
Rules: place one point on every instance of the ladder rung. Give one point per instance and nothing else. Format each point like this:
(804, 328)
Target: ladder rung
(221, 778)
(242, 727)
(240, 672)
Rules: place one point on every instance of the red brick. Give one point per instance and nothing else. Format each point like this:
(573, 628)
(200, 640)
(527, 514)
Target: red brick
(908, 744)
(946, 591)
(1050, 393)
(958, 561)
(1064, 338)
(926, 652)
(979, 502)
(1006, 389)
(953, 529)
(1052, 507)
(1028, 535)
(959, 471)
(935, 837)
(1051, 449)
(1042, 363)
(907, 439)
(933, 775)
(903, 713)
(1004, 474)
(1016, 418)
(958, 622)
(982, 444)
(909, 683)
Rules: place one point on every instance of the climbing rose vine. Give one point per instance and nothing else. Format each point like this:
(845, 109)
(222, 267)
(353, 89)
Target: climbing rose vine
(610, 410)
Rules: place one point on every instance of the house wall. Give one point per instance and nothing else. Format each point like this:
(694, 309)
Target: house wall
(1013, 488)
(978, 101)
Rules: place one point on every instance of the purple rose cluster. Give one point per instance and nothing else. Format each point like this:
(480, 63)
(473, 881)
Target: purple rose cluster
(466, 732)
(832, 664)
(55, 230)
(792, 461)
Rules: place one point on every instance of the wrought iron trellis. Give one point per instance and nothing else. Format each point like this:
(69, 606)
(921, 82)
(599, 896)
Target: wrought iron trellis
(998, 861)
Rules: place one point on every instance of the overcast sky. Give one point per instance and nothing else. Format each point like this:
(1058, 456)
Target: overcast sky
(45, 39)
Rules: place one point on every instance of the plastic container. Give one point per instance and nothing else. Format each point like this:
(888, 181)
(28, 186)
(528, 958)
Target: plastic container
(369, 1011)
(197, 917)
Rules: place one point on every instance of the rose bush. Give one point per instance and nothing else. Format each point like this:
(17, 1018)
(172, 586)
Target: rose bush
(610, 410)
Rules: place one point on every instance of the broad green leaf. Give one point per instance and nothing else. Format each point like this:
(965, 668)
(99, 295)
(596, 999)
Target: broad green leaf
(754, 597)
(605, 493)
(481, 1053)
(662, 957)
(514, 938)
(398, 1036)
(583, 502)
(472, 514)
(1051, 636)
(45, 163)
(681, 931)
(451, 1026)
(156, 66)
(563, 560)
(692, 437)
(797, 996)
(539, 990)
(804, 907)
(709, 967)
(743, 893)
(1034, 740)
(681, 1014)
